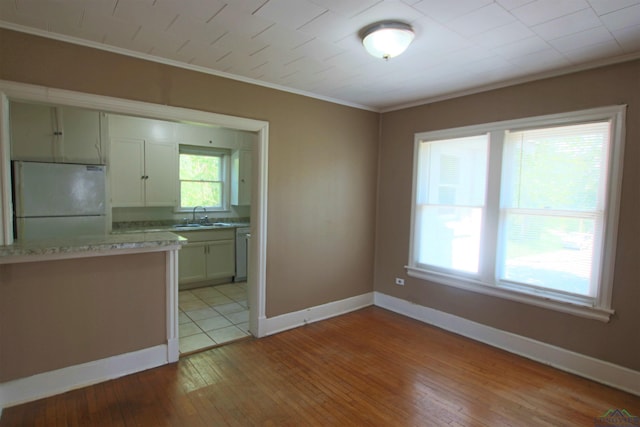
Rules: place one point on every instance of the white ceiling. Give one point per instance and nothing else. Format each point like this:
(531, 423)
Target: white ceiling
(312, 46)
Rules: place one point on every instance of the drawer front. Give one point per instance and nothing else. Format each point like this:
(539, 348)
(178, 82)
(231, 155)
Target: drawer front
(208, 235)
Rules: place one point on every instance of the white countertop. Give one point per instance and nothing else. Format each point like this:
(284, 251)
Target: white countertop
(89, 245)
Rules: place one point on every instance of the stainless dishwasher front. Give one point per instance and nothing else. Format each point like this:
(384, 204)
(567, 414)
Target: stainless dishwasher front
(241, 253)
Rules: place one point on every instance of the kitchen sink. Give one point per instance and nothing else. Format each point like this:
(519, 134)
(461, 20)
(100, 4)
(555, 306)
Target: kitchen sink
(203, 224)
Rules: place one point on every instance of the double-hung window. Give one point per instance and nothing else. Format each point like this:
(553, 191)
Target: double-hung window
(203, 178)
(524, 209)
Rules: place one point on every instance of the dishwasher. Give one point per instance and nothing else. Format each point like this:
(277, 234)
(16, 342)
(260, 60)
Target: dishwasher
(242, 234)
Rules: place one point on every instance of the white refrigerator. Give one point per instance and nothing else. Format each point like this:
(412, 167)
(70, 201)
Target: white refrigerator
(58, 200)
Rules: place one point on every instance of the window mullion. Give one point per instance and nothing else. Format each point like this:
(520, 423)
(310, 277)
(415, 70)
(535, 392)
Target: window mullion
(491, 218)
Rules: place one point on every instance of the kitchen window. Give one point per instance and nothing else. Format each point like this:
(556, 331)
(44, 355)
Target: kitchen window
(204, 178)
(524, 209)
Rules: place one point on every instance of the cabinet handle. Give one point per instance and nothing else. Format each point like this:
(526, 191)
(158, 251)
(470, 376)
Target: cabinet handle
(144, 177)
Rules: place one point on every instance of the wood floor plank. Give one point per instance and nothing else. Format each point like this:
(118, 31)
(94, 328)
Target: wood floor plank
(370, 367)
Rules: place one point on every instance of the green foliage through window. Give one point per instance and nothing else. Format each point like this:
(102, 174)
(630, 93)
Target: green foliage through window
(201, 180)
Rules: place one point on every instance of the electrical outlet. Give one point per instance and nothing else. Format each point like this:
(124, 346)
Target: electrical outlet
(399, 281)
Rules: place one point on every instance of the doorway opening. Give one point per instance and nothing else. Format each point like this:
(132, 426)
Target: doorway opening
(211, 316)
(255, 285)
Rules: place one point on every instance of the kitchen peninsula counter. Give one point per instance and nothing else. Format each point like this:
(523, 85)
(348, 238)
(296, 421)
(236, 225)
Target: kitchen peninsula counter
(86, 309)
(86, 246)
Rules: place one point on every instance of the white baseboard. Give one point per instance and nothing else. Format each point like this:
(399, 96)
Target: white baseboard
(61, 380)
(173, 349)
(273, 325)
(585, 366)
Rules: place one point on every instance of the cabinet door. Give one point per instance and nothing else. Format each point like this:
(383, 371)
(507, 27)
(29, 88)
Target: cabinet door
(32, 130)
(126, 166)
(241, 178)
(161, 165)
(221, 260)
(192, 265)
(80, 135)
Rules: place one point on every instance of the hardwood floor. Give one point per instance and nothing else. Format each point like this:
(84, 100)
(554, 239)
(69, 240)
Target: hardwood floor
(371, 367)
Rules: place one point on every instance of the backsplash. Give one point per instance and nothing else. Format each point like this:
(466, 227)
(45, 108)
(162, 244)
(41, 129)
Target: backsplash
(136, 218)
(168, 214)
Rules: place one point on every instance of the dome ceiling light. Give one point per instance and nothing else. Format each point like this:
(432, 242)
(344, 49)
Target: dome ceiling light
(387, 39)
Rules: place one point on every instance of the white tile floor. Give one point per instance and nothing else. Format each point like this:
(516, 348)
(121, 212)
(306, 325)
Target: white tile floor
(212, 315)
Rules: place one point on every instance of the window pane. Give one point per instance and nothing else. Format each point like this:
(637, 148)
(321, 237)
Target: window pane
(194, 194)
(555, 168)
(449, 237)
(547, 174)
(453, 171)
(450, 201)
(200, 168)
(549, 251)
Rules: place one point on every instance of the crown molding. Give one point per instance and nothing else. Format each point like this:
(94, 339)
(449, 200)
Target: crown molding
(514, 82)
(152, 58)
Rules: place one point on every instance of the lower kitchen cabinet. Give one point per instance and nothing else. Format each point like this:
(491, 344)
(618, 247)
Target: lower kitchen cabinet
(208, 257)
(221, 259)
(192, 263)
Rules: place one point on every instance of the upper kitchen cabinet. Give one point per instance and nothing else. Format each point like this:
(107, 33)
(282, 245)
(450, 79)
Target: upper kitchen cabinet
(241, 168)
(143, 172)
(56, 134)
(241, 178)
(82, 135)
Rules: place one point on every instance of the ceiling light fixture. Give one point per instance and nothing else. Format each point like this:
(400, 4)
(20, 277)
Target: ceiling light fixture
(387, 39)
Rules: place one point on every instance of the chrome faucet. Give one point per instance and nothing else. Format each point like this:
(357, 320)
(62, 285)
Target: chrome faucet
(194, 213)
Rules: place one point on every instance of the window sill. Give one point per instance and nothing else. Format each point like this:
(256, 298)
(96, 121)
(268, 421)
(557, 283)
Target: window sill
(589, 312)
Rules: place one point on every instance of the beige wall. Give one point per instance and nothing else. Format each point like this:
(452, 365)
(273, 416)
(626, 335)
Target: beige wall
(618, 341)
(322, 160)
(323, 174)
(57, 314)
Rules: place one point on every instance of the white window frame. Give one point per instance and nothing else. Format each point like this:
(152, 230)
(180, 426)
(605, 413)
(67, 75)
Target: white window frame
(599, 307)
(226, 177)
